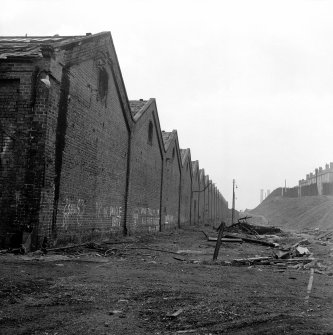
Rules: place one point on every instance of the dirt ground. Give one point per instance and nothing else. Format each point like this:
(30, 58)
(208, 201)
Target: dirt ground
(133, 289)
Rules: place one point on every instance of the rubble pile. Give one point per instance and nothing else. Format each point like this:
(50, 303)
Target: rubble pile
(283, 255)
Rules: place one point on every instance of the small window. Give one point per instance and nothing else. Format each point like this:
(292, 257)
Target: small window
(103, 83)
(173, 153)
(150, 133)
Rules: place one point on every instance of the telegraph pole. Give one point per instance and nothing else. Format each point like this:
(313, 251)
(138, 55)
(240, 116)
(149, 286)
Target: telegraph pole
(233, 201)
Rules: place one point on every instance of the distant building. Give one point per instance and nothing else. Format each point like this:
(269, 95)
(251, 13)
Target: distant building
(145, 177)
(318, 183)
(171, 189)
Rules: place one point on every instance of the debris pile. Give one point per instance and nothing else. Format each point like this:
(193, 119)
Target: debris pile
(244, 232)
(242, 226)
(296, 256)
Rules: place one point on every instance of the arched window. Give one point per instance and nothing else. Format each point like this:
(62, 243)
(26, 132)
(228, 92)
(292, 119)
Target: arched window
(150, 133)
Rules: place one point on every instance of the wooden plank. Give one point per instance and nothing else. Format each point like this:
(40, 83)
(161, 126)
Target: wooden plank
(223, 239)
(218, 242)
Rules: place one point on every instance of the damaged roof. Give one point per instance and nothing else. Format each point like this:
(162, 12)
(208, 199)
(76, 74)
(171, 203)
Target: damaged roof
(137, 105)
(34, 46)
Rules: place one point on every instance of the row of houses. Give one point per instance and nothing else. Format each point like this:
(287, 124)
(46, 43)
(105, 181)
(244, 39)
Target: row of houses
(81, 161)
(318, 183)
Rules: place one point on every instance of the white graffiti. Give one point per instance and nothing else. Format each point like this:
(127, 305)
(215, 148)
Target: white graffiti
(46, 203)
(73, 212)
(113, 213)
(169, 219)
(146, 217)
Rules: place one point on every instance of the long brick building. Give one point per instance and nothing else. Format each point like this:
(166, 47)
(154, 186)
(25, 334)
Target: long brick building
(79, 161)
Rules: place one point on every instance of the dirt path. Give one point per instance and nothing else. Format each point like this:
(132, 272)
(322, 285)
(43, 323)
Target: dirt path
(136, 291)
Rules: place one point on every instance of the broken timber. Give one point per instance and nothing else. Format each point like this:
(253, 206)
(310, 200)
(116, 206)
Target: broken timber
(236, 238)
(218, 242)
(223, 239)
(270, 260)
(252, 240)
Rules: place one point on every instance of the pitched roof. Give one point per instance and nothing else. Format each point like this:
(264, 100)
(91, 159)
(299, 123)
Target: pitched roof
(34, 46)
(184, 153)
(167, 138)
(195, 166)
(202, 173)
(136, 106)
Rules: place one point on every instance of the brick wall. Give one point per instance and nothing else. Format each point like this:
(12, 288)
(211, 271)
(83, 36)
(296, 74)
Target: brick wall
(86, 146)
(214, 215)
(171, 186)
(22, 134)
(195, 193)
(202, 196)
(207, 200)
(186, 190)
(210, 202)
(144, 197)
(66, 150)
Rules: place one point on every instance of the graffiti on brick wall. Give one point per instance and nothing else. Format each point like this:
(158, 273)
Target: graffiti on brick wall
(73, 212)
(112, 213)
(6, 154)
(46, 205)
(169, 219)
(146, 217)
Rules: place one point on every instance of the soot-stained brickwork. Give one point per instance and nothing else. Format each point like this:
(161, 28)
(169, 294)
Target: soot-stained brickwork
(75, 164)
(78, 161)
(186, 188)
(22, 133)
(89, 134)
(171, 181)
(145, 179)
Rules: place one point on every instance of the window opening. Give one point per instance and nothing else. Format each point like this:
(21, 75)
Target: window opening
(103, 83)
(150, 133)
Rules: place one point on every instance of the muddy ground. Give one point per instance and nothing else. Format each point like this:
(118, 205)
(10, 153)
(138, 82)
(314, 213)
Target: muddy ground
(133, 289)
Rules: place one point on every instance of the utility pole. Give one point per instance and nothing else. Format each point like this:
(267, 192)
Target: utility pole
(233, 201)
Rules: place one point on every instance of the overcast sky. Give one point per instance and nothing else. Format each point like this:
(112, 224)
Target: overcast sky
(247, 84)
